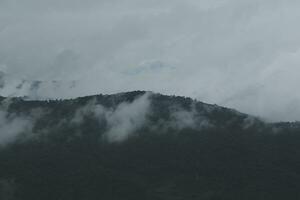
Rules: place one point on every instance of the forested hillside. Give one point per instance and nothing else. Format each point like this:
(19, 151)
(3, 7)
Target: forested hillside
(141, 145)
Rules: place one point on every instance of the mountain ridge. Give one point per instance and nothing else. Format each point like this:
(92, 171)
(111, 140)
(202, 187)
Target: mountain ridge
(141, 145)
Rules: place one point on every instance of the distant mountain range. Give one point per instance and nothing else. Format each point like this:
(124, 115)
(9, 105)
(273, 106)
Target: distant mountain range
(31, 89)
(143, 145)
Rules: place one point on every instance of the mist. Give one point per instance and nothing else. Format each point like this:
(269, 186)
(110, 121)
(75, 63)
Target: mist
(12, 125)
(121, 121)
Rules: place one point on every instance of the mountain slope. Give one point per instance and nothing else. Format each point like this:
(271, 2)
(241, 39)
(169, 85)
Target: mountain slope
(140, 145)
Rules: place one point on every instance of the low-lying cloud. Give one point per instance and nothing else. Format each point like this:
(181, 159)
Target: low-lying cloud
(112, 118)
(116, 122)
(181, 118)
(13, 125)
(121, 121)
(127, 118)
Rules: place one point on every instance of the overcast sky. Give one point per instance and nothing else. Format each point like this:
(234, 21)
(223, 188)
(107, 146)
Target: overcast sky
(240, 54)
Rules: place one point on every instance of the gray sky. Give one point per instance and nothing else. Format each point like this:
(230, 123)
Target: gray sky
(239, 54)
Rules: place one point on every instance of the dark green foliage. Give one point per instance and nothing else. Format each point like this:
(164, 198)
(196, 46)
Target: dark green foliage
(226, 161)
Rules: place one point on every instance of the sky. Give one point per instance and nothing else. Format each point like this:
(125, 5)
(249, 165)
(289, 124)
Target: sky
(239, 54)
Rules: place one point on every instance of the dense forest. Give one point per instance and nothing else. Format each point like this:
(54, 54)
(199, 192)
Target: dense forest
(141, 145)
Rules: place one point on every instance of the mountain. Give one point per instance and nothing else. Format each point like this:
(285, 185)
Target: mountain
(31, 89)
(142, 145)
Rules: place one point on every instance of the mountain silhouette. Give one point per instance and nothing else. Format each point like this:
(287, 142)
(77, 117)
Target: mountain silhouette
(143, 145)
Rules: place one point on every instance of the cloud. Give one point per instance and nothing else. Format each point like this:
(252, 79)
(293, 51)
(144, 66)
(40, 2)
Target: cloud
(127, 118)
(181, 118)
(121, 121)
(216, 51)
(12, 125)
